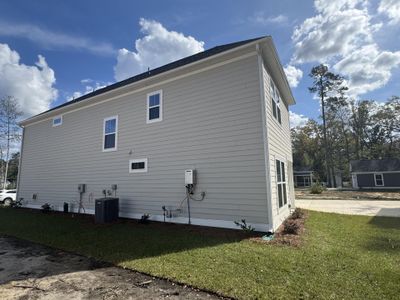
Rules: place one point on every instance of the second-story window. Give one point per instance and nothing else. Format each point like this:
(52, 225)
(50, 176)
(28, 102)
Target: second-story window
(110, 132)
(275, 101)
(154, 107)
(57, 121)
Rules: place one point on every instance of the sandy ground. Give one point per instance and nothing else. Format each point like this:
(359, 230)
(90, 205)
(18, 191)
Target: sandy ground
(348, 195)
(32, 271)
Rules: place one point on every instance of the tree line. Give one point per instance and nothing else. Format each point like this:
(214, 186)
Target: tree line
(350, 129)
(10, 135)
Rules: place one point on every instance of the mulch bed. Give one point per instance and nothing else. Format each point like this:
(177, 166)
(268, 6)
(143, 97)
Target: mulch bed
(281, 237)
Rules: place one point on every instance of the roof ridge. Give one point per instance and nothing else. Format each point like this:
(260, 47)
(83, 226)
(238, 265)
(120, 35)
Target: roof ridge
(161, 69)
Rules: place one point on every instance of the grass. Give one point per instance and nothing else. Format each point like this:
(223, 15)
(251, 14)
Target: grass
(342, 257)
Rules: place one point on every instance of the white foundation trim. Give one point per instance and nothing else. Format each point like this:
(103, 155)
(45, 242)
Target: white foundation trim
(60, 208)
(178, 220)
(195, 221)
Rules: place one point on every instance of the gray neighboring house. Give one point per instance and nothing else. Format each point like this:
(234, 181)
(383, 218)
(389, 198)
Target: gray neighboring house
(222, 112)
(376, 173)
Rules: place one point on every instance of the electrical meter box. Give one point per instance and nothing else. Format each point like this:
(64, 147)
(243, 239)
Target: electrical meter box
(81, 188)
(190, 177)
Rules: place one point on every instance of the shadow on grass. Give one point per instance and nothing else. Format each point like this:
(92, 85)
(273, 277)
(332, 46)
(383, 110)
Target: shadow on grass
(382, 221)
(388, 241)
(383, 244)
(123, 241)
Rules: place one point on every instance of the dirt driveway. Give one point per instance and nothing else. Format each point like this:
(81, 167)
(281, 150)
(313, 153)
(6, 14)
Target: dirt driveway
(32, 271)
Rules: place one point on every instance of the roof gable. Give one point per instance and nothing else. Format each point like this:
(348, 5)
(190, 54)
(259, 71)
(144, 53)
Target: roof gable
(163, 70)
(168, 67)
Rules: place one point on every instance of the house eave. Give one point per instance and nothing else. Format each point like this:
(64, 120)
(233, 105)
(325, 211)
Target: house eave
(278, 73)
(92, 99)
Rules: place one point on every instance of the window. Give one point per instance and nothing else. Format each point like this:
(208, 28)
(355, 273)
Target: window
(154, 107)
(110, 132)
(379, 179)
(138, 165)
(275, 101)
(57, 121)
(281, 183)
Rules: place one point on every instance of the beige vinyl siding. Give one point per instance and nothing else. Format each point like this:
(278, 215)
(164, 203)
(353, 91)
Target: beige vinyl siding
(279, 147)
(211, 123)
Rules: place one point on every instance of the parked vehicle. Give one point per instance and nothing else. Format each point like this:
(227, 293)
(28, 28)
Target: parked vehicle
(8, 196)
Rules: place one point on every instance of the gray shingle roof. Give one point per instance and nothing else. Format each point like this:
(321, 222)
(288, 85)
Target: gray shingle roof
(375, 165)
(159, 70)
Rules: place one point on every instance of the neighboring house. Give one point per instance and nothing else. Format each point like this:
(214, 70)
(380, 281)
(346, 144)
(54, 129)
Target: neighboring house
(222, 112)
(376, 173)
(304, 178)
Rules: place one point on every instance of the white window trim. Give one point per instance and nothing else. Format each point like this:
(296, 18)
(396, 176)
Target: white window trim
(57, 117)
(116, 133)
(136, 161)
(148, 121)
(383, 182)
(278, 101)
(281, 160)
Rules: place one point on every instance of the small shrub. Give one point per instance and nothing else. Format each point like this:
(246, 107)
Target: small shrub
(17, 203)
(297, 214)
(144, 219)
(291, 226)
(316, 188)
(46, 207)
(244, 226)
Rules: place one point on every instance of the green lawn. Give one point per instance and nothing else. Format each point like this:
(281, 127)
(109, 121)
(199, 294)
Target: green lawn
(342, 257)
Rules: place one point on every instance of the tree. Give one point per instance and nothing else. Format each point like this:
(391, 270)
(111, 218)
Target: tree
(364, 129)
(307, 142)
(326, 85)
(9, 129)
(13, 168)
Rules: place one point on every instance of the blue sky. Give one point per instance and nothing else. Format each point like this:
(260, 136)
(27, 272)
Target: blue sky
(80, 42)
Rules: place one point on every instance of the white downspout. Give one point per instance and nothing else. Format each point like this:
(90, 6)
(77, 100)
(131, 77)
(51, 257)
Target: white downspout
(20, 162)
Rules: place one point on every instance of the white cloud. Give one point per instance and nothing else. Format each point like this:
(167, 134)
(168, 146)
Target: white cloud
(87, 80)
(159, 46)
(328, 35)
(368, 68)
(293, 75)
(297, 120)
(261, 18)
(391, 8)
(55, 40)
(342, 34)
(32, 86)
(90, 85)
(331, 7)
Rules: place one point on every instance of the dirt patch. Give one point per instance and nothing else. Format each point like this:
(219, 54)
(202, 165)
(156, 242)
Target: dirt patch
(282, 237)
(32, 271)
(348, 195)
